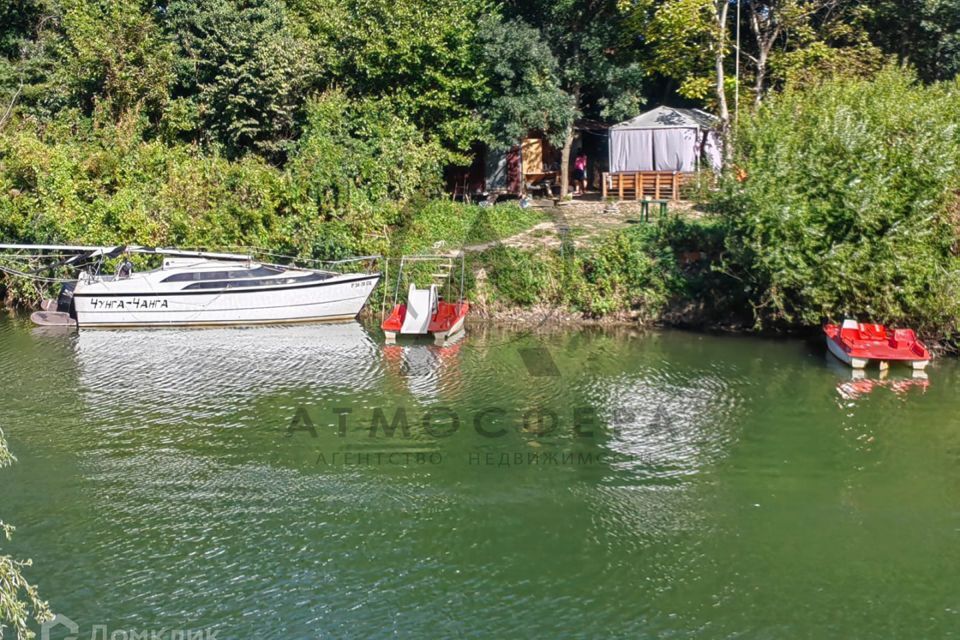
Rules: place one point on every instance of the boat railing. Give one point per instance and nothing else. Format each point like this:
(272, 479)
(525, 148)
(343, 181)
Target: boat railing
(345, 265)
(51, 264)
(271, 258)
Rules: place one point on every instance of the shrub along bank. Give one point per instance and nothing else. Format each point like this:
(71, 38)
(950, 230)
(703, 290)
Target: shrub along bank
(850, 205)
(651, 272)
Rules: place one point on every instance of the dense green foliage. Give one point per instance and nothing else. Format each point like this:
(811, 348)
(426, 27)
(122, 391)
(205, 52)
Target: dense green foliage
(597, 53)
(525, 83)
(421, 55)
(633, 270)
(106, 186)
(322, 129)
(782, 41)
(849, 207)
(925, 33)
(242, 71)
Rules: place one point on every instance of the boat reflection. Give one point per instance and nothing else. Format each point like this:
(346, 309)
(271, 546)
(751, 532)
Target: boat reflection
(428, 371)
(857, 383)
(213, 367)
(860, 385)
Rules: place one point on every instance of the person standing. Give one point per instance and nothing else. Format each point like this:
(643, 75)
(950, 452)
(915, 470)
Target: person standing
(580, 173)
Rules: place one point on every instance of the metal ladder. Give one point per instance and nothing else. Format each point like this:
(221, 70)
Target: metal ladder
(443, 272)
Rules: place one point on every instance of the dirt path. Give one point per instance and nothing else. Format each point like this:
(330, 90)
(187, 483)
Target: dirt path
(583, 222)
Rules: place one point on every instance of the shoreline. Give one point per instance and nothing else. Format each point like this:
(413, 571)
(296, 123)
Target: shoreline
(550, 318)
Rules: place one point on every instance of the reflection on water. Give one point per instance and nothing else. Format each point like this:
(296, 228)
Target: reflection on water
(666, 422)
(164, 371)
(724, 494)
(430, 372)
(860, 384)
(853, 384)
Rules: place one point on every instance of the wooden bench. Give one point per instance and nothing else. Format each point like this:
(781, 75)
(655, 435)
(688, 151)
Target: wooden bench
(637, 185)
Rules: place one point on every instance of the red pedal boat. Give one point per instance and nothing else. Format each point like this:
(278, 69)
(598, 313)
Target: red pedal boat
(857, 343)
(426, 310)
(446, 321)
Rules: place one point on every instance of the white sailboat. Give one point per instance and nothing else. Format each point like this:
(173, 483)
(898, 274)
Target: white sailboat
(195, 288)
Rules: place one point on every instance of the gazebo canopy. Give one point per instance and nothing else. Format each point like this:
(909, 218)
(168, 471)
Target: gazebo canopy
(670, 118)
(664, 139)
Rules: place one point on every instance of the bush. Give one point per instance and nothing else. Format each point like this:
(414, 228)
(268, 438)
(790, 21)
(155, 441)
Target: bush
(631, 270)
(848, 204)
(356, 154)
(522, 278)
(104, 189)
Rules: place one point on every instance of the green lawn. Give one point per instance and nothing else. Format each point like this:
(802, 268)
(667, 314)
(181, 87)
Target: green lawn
(458, 225)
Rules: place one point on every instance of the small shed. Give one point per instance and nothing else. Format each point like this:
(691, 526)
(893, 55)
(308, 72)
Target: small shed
(665, 139)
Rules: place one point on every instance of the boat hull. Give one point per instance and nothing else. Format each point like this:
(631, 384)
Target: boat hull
(843, 356)
(856, 344)
(440, 337)
(447, 322)
(336, 300)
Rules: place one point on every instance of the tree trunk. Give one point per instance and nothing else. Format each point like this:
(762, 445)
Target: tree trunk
(766, 30)
(568, 141)
(761, 77)
(565, 162)
(722, 10)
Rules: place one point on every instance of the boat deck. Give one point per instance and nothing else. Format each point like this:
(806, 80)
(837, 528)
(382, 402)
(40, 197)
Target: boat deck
(884, 350)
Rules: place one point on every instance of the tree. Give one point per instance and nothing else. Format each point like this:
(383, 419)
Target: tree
(524, 90)
(244, 67)
(19, 601)
(721, 9)
(420, 54)
(91, 55)
(768, 21)
(822, 37)
(923, 33)
(113, 52)
(18, 20)
(834, 221)
(689, 41)
(362, 152)
(597, 56)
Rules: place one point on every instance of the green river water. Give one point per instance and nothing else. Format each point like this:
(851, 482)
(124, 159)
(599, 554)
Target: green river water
(578, 483)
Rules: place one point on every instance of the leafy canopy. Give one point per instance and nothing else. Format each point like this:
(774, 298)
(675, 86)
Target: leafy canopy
(243, 69)
(524, 77)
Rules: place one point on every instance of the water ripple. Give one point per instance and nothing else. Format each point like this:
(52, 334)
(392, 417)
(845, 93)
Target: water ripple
(169, 374)
(667, 423)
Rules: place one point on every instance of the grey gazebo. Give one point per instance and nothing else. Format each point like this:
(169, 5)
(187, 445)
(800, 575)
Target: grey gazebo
(651, 153)
(665, 139)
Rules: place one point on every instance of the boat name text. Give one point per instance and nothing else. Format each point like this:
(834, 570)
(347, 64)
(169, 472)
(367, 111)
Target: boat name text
(133, 303)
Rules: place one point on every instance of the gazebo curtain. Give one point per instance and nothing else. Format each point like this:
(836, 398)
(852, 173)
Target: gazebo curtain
(673, 149)
(631, 150)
